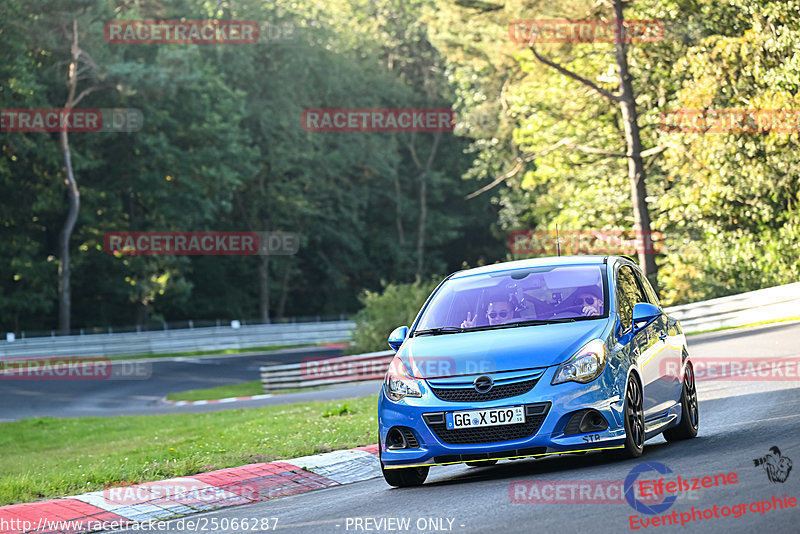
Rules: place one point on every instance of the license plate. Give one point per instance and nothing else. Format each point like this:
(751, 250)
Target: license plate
(511, 415)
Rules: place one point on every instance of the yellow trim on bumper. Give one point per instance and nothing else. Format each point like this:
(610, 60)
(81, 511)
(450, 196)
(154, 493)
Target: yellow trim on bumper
(505, 458)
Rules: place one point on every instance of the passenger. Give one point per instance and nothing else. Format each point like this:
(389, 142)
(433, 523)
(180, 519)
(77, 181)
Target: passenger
(498, 312)
(591, 301)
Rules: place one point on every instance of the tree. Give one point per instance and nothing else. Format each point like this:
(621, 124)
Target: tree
(81, 67)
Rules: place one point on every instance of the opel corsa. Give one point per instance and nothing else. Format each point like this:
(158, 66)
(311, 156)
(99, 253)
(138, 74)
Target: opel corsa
(532, 358)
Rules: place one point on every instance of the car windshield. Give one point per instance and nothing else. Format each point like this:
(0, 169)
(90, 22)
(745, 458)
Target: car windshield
(516, 297)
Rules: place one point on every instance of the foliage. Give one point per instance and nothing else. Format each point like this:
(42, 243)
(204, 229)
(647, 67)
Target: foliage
(395, 305)
(222, 149)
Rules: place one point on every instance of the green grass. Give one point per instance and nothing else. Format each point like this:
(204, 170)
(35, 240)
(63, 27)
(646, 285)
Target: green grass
(48, 457)
(208, 352)
(245, 389)
(760, 323)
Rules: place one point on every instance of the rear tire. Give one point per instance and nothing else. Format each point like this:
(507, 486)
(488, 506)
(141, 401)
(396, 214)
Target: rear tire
(481, 463)
(690, 414)
(634, 420)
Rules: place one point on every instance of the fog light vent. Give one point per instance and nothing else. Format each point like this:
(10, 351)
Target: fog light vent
(584, 421)
(401, 438)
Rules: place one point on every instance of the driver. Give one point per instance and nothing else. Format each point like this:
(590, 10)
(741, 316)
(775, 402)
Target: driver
(590, 301)
(497, 312)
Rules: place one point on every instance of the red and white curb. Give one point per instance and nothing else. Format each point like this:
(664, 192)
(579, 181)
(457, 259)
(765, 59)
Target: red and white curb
(218, 401)
(166, 499)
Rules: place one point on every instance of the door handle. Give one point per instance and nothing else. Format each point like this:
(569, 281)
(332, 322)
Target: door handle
(663, 336)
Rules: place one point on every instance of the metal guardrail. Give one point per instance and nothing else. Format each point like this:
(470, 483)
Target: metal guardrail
(767, 304)
(172, 341)
(323, 371)
(736, 310)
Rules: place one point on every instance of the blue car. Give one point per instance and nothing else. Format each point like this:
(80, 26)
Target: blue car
(532, 358)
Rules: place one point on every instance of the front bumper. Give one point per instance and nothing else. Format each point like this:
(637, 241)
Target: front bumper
(549, 409)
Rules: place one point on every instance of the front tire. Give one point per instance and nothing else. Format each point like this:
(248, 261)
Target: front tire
(405, 476)
(690, 414)
(634, 420)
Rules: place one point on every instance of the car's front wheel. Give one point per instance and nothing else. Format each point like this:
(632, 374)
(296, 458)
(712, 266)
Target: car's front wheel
(405, 476)
(634, 419)
(690, 415)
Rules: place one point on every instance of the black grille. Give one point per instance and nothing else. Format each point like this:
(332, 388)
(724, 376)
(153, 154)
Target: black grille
(411, 439)
(501, 391)
(490, 434)
(573, 427)
(574, 424)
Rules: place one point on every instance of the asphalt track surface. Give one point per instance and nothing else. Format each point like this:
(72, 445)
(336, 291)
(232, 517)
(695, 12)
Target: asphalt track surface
(21, 399)
(739, 422)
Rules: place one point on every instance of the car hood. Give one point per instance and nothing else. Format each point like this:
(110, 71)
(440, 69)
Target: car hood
(488, 351)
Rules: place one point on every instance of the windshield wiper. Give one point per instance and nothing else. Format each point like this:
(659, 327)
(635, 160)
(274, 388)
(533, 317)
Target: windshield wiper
(439, 330)
(531, 322)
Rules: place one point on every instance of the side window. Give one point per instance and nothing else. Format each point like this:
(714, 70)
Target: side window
(648, 289)
(629, 293)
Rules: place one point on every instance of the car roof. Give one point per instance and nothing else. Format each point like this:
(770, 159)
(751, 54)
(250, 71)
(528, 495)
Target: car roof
(549, 261)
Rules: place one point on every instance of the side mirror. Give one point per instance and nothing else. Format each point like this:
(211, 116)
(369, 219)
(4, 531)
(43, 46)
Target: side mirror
(644, 312)
(397, 337)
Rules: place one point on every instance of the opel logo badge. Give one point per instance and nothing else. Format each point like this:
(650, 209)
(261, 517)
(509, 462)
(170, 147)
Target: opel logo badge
(483, 384)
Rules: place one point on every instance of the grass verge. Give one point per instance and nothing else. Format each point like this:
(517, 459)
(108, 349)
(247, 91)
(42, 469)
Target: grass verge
(48, 457)
(244, 389)
(209, 352)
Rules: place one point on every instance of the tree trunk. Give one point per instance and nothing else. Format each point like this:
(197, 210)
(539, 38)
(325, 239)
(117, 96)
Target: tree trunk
(73, 196)
(633, 141)
(64, 273)
(423, 195)
(284, 289)
(423, 216)
(263, 284)
(398, 211)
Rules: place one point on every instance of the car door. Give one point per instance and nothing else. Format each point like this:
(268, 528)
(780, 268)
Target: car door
(667, 387)
(645, 343)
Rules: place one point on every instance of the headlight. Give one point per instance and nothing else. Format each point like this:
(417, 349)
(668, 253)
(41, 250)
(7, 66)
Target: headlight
(398, 383)
(584, 366)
